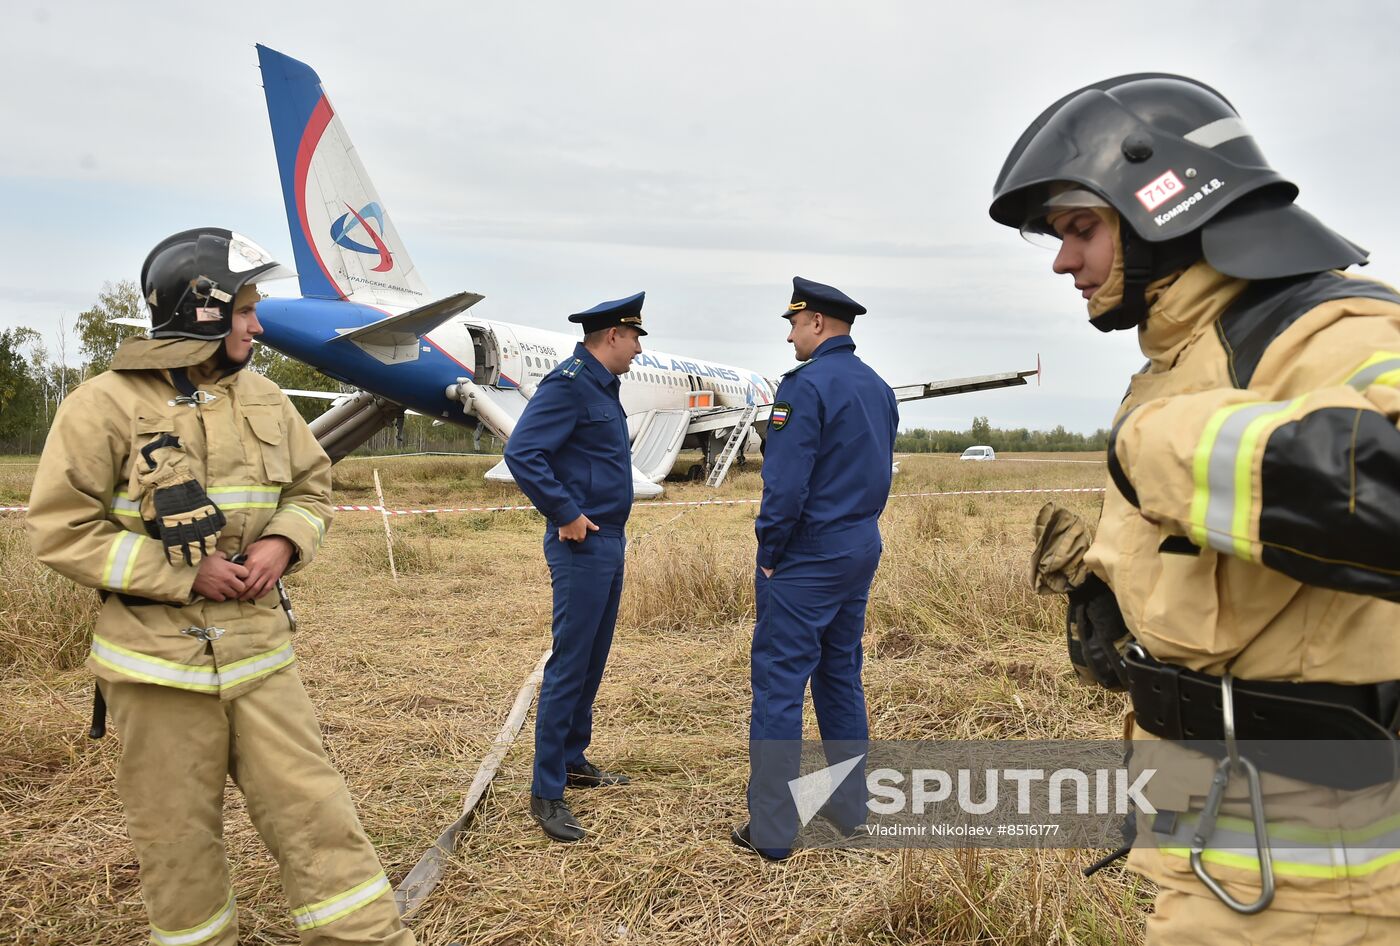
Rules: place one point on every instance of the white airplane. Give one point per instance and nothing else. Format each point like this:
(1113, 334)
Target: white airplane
(365, 318)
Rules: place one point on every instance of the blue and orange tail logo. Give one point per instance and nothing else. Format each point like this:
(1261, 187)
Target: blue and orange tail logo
(340, 233)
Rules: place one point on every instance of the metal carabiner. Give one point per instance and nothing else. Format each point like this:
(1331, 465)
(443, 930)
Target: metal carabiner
(1206, 827)
(206, 634)
(193, 400)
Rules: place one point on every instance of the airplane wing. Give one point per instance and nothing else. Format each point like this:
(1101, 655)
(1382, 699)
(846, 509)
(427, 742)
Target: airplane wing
(394, 340)
(717, 418)
(318, 395)
(986, 382)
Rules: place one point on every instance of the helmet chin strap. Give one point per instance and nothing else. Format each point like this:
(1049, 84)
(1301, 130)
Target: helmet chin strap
(1143, 263)
(1137, 273)
(226, 365)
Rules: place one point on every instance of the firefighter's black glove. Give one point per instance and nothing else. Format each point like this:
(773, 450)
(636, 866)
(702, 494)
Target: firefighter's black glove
(175, 506)
(1094, 633)
(1094, 628)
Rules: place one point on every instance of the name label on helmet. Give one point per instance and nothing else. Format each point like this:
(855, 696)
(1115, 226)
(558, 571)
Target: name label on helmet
(1181, 208)
(1161, 190)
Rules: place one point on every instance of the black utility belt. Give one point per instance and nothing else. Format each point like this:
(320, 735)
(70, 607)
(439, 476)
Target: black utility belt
(136, 601)
(1187, 706)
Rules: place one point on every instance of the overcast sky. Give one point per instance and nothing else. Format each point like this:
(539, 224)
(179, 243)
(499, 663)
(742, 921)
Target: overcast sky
(551, 155)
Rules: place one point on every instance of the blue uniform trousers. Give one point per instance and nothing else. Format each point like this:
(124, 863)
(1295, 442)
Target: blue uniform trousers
(810, 620)
(587, 581)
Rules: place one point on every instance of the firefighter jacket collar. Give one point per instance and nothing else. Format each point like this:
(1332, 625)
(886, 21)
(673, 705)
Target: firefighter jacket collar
(138, 353)
(1183, 306)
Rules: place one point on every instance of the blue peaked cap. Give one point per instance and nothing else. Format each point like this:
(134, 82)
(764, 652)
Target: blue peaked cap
(616, 312)
(827, 300)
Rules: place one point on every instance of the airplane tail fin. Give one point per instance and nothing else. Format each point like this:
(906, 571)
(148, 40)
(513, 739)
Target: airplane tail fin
(346, 245)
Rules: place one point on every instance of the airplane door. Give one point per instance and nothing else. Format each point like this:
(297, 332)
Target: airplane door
(698, 396)
(486, 353)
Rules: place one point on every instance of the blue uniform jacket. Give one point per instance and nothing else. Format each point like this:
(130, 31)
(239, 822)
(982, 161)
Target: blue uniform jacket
(830, 448)
(569, 452)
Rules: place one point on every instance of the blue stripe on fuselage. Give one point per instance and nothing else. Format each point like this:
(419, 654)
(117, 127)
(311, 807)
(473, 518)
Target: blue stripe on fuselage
(305, 329)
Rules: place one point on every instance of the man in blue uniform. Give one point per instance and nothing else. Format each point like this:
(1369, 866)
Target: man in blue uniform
(826, 477)
(570, 455)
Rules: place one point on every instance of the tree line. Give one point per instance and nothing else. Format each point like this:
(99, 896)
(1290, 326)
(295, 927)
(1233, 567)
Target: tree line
(982, 433)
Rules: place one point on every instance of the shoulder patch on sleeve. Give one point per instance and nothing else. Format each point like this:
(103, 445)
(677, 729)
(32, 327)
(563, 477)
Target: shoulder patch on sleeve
(782, 410)
(571, 368)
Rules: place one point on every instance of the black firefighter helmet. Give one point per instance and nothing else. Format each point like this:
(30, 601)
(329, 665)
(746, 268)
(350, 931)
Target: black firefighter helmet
(190, 279)
(1186, 177)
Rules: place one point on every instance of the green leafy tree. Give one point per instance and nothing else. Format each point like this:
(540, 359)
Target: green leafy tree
(21, 397)
(918, 440)
(98, 335)
(289, 373)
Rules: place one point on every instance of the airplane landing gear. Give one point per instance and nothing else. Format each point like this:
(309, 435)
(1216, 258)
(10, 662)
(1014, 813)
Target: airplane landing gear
(701, 470)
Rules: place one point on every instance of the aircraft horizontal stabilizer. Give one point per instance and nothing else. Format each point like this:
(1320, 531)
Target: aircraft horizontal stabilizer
(986, 382)
(394, 340)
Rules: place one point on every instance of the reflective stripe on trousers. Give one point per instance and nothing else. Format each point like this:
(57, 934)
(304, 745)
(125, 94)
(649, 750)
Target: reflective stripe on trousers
(342, 904)
(204, 932)
(1296, 851)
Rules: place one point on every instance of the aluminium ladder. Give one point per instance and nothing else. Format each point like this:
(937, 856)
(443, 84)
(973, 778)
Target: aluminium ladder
(732, 447)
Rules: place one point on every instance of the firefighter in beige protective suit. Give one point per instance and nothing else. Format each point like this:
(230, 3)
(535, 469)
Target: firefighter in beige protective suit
(183, 488)
(1242, 582)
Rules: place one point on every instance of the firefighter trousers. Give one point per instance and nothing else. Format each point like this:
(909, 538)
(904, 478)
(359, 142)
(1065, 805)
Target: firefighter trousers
(1183, 919)
(178, 748)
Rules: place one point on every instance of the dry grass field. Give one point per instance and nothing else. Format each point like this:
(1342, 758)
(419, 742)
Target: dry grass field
(413, 679)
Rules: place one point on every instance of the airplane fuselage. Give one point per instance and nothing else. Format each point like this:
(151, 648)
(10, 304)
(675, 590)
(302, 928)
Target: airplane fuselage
(488, 352)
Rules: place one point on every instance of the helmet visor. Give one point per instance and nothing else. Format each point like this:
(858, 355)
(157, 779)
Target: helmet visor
(1061, 197)
(245, 256)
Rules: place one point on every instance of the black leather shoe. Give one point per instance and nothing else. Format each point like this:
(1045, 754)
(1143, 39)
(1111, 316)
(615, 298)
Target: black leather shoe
(739, 837)
(589, 775)
(556, 819)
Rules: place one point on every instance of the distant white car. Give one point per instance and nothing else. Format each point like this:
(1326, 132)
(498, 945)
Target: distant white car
(978, 453)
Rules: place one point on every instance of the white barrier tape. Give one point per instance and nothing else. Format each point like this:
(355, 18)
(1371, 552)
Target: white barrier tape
(716, 502)
(700, 502)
